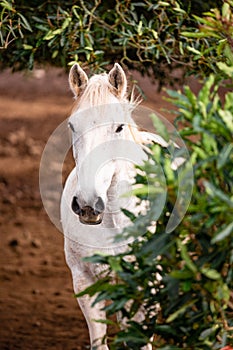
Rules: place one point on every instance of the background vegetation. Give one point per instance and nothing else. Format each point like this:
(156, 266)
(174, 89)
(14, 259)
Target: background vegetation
(182, 278)
(153, 37)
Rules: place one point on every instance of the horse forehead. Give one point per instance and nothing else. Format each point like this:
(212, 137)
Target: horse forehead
(99, 116)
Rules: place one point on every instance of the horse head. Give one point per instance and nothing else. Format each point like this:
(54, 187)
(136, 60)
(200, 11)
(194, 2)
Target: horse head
(100, 123)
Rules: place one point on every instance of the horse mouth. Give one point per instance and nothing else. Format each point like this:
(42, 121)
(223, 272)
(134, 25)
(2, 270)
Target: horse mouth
(93, 220)
(88, 215)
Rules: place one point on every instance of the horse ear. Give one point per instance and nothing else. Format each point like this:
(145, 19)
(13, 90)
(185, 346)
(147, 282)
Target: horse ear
(118, 80)
(77, 79)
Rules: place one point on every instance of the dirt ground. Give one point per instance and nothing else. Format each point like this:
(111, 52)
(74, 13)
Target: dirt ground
(37, 306)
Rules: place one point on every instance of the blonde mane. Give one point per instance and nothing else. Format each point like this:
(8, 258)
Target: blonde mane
(98, 90)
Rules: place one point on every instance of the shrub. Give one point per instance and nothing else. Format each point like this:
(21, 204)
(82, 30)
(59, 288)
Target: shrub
(150, 36)
(190, 305)
(183, 278)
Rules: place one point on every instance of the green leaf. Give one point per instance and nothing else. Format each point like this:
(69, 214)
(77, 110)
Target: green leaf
(193, 50)
(181, 274)
(199, 152)
(229, 102)
(210, 273)
(227, 117)
(25, 22)
(193, 34)
(226, 69)
(115, 264)
(164, 3)
(129, 214)
(57, 31)
(49, 35)
(226, 11)
(207, 332)
(100, 285)
(185, 256)
(204, 94)
(160, 127)
(191, 96)
(106, 321)
(227, 231)
(224, 156)
(55, 53)
(145, 190)
(210, 144)
(66, 23)
(7, 5)
(216, 192)
(139, 28)
(208, 22)
(27, 47)
(228, 53)
(180, 311)
(186, 285)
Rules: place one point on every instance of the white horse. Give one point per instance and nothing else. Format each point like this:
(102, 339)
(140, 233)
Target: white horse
(106, 143)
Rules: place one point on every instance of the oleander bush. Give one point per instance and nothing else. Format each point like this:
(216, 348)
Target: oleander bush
(183, 277)
(153, 37)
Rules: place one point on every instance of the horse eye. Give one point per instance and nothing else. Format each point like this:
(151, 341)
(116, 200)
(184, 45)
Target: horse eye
(119, 128)
(70, 125)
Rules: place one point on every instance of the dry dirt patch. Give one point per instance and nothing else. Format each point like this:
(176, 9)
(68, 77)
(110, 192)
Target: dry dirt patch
(37, 307)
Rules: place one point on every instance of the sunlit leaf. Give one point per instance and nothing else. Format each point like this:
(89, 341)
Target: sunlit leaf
(184, 254)
(225, 155)
(210, 273)
(180, 311)
(160, 127)
(224, 233)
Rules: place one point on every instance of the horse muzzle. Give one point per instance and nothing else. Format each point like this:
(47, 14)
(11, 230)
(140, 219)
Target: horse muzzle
(87, 214)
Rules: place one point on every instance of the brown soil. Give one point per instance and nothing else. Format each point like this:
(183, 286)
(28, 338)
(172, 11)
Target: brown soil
(37, 306)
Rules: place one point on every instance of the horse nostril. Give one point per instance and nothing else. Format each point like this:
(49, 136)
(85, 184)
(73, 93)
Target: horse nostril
(75, 206)
(99, 205)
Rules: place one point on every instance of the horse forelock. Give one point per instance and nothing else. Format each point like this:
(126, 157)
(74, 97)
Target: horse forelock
(99, 91)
